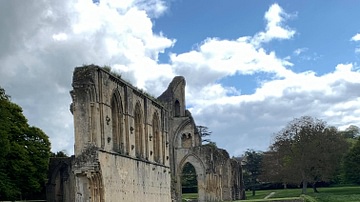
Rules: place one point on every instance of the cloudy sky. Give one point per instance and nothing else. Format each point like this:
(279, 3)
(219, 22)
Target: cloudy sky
(251, 66)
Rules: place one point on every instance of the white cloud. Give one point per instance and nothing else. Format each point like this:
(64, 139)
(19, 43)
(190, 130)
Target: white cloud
(275, 102)
(275, 28)
(48, 39)
(215, 59)
(38, 59)
(356, 37)
(300, 51)
(333, 97)
(59, 37)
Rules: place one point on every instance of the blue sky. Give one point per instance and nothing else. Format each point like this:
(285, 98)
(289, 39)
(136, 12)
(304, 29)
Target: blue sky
(251, 66)
(321, 41)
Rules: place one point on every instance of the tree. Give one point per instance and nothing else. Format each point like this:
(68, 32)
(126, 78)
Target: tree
(351, 132)
(61, 153)
(24, 153)
(252, 162)
(204, 132)
(351, 165)
(275, 169)
(309, 150)
(189, 179)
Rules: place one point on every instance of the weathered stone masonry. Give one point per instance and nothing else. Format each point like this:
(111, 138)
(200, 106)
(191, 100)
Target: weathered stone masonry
(132, 147)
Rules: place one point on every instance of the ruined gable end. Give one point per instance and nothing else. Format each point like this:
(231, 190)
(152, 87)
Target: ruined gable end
(174, 97)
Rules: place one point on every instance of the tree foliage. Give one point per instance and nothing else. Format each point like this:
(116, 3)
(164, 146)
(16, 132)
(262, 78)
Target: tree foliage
(189, 179)
(252, 164)
(275, 169)
(24, 153)
(205, 132)
(351, 132)
(351, 165)
(309, 151)
(61, 153)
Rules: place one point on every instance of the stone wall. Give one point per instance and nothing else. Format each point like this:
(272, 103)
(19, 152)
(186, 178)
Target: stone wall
(117, 117)
(60, 186)
(130, 146)
(125, 130)
(137, 181)
(219, 177)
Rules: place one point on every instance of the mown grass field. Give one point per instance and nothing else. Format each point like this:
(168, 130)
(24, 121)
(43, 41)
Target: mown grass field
(326, 194)
(189, 196)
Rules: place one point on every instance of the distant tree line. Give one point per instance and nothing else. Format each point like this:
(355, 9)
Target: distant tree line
(306, 152)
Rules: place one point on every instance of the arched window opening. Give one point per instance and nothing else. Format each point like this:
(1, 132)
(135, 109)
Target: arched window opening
(117, 125)
(139, 146)
(177, 108)
(156, 138)
(186, 140)
(189, 182)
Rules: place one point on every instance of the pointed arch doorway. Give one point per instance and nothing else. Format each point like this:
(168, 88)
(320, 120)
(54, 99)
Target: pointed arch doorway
(191, 167)
(189, 182)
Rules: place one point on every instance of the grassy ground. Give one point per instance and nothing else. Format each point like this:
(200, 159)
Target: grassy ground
(279, 193)
(189, 196)
(328, 194)
(337, 194)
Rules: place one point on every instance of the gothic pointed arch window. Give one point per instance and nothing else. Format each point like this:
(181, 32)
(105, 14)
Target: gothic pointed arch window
(117, 124)
(177, 108)
(139, 139)
(156, 138)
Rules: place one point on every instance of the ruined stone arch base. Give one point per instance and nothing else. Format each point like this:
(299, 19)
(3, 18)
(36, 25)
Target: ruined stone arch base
(130, 146)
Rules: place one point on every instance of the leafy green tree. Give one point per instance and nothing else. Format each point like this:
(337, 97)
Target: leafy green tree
(351, 132)
(275, 170)
(351, 165)
(189, 179)
(252, 163)
(309, 150)
(24, 153)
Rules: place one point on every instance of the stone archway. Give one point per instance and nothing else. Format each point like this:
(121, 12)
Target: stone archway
(200, 172)
(189, 181)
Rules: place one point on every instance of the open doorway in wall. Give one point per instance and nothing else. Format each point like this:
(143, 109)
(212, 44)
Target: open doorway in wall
(189, 183)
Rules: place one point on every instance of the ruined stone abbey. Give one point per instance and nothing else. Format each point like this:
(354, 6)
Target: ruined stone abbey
(131, 147)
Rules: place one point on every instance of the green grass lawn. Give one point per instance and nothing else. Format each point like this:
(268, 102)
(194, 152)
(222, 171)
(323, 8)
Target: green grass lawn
(279, 193)
(337, 194)
(328, 194)
(189, 196)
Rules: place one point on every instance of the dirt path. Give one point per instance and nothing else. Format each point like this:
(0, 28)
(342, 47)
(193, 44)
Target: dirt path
(270, 195)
